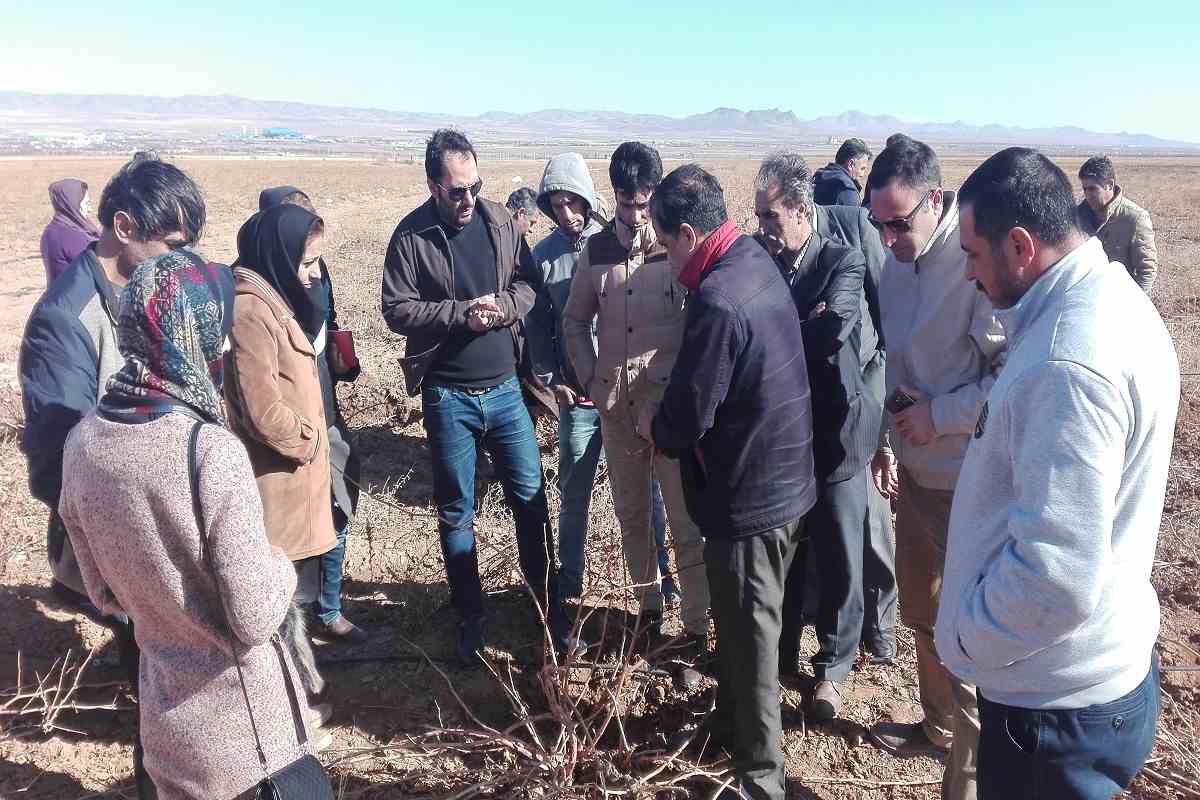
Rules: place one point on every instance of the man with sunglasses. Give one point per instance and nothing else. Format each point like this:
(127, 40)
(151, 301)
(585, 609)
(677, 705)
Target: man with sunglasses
(457, 281)
(944, 350)
(70, 350)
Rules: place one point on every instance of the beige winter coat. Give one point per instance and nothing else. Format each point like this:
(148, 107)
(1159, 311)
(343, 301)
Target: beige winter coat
(273, 394)
(1125, 230)
(639, 313)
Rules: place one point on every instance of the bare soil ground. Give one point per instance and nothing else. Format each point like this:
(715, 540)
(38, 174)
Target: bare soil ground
(385, 692)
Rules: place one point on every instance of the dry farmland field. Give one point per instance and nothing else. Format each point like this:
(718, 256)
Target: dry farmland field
(391, 692)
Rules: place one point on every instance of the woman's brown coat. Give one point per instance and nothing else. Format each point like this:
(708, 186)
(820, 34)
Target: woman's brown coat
(274, 402)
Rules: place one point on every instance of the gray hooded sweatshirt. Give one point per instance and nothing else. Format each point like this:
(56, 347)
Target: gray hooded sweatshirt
(556, 258)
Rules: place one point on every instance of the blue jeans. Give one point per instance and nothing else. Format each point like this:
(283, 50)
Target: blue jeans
(658, 521)
(456, 423)
(1077, 754)
(580, 449)
(328, 606)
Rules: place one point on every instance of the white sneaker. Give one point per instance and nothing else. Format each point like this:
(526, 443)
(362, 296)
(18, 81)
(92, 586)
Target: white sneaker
(318, 716)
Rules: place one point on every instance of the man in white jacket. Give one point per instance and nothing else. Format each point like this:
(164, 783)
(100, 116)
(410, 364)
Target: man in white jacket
(944, 348)
(1048, 603)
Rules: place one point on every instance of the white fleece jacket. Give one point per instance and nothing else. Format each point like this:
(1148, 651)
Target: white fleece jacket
(943, 341)
(1046, 600)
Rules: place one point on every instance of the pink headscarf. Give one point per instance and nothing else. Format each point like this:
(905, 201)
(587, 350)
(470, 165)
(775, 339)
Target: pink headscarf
(66, 196)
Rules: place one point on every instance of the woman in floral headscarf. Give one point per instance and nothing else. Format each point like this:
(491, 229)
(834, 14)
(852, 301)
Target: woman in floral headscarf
(70, 232)
(127, 506)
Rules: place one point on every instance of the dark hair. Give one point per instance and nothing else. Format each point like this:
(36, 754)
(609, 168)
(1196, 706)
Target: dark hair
(1099, 169)
(522, 199)
(912, 164)
(635, 167)
(789, 173)
(443, 142)
(691, 195)
(157, 196)
(850, 150)
(1020, 187)
(897, 138)
(299, 199)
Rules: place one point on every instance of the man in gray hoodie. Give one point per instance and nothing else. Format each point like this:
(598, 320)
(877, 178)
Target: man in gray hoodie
(944, 349)
(1048, 604)
(568, 197)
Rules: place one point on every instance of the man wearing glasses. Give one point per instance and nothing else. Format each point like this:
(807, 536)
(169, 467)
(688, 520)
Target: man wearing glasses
(944, 350)
(456, 283)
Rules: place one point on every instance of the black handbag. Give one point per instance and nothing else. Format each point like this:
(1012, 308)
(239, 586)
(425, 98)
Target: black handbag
(305, 778)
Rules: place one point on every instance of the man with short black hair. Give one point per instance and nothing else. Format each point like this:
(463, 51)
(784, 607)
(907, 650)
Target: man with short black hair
(1047, 602)
(523, 205)
(623, 287)
(457, 281)
(944, 350)
(840, 182)
(70, 348)
(826, 280)
(1121, 225)
(736, 413)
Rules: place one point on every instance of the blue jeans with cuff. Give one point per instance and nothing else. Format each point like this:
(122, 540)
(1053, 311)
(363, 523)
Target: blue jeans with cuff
(456, 423)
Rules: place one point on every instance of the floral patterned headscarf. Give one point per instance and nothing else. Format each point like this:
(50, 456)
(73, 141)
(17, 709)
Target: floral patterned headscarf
(175, 314)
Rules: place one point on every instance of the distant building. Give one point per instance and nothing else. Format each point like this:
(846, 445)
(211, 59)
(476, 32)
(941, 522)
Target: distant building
(282, 133)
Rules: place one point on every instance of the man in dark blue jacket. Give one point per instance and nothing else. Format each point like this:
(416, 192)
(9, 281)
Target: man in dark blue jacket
(737, 414)
(70, 349)
(840, 183)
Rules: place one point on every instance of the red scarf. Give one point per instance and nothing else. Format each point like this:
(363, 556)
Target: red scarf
(712, 248)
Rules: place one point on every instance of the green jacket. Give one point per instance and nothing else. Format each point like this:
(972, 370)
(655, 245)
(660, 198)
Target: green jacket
(1125, 230)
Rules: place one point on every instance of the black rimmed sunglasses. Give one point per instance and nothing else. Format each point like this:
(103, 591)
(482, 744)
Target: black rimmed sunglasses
(459, 193)
(900, 224)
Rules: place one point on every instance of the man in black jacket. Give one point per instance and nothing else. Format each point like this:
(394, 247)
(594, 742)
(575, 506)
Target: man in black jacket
(826, 280)
(737, 414)
(851, 226)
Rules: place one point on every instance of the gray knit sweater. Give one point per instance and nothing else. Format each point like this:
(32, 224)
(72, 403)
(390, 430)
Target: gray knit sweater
(126, 503)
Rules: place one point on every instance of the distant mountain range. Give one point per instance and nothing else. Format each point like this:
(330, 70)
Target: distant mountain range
(23, 111)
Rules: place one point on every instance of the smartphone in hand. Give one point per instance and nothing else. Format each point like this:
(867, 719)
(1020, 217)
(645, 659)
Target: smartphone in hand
(899, 401)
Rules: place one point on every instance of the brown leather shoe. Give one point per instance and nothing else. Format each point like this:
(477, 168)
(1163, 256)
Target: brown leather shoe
(344, 630)
(904, 739)
(826, 701)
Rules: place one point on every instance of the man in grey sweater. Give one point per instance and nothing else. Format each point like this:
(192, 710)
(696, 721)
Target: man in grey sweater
(1049, 608)
(944, 348)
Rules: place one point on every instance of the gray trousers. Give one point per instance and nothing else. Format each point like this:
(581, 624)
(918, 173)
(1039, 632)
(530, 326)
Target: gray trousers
(746, 578)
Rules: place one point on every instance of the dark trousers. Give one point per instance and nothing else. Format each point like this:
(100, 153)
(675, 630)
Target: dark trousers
(835, 529)
(1077, 754)
(746, 579)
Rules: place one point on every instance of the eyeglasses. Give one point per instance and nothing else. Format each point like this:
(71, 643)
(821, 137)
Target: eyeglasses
(900, 224)
(459, 193)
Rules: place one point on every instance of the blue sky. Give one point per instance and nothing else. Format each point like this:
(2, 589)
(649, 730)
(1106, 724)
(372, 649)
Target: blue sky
(1108, 66)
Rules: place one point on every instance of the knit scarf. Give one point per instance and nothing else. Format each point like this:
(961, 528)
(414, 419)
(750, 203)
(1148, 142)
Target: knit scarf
(713, 247)
(176, 312)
